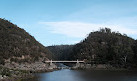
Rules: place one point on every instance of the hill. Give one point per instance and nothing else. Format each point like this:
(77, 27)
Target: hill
(60, 52)
(16, 45)
(106, 47)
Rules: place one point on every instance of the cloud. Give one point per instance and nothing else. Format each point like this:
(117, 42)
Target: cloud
(81, 29)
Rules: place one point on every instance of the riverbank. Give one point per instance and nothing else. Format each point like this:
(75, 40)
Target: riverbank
(17, 75)
(82, 66)
(13, 71)
(21, 71)
(7, 74)
(99, 69)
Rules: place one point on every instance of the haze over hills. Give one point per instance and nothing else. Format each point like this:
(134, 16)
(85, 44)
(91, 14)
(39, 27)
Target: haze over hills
(104, 47)
(16, 45)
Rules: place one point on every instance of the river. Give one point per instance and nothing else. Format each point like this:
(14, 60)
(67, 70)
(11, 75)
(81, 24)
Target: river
(81, 75)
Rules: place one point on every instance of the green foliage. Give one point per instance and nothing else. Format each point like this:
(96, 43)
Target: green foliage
(61, 52)
(107, 48)
(11, 72)
(102, 47)
(4, 71)
(16, 42)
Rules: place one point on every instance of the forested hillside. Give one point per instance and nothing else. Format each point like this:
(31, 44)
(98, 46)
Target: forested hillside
(60, 52)
(18, 46)
(100, 47)
(107, 47)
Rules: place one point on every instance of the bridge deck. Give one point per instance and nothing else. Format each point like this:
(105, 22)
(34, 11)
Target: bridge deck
(65, 61)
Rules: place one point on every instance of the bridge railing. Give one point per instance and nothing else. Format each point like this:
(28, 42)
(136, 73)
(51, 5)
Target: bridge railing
(65, 61)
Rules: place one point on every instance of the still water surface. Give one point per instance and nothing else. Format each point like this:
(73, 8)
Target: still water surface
(78, 75)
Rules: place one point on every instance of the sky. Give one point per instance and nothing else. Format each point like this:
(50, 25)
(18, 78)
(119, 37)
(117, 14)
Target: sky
(56, 22)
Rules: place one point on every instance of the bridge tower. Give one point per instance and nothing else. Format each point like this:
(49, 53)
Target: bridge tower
(77, 64)
(51, 62)
(52, 65)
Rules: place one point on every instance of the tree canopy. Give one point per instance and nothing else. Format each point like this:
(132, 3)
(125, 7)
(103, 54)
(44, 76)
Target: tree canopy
(105, 47)
(18, 46)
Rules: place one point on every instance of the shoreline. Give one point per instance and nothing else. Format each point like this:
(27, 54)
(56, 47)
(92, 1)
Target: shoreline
(102, 69)
(30, 74)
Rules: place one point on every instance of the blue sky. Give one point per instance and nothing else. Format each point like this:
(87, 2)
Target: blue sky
(54, 22)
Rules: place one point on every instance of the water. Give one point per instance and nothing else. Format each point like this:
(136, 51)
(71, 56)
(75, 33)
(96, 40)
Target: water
(77, 75)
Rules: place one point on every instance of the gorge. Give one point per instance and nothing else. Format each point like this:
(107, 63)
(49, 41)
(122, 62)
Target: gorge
(21, 54)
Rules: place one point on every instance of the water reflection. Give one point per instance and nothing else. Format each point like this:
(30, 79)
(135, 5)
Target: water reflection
(61, 75)
(77, 75)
